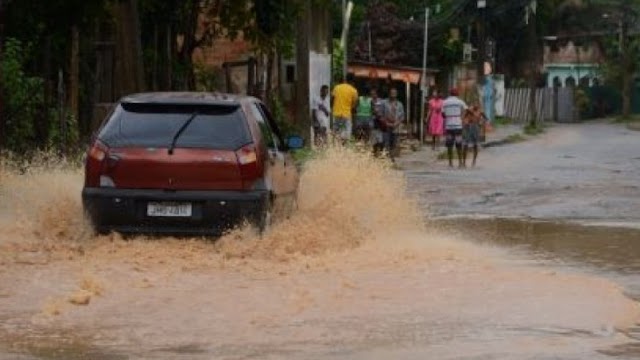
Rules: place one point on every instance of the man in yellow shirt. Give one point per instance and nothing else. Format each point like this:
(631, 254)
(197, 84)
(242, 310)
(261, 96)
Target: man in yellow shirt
(344, 100)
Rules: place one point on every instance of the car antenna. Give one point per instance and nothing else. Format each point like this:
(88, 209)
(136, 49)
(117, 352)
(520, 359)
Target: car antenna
(179, 132)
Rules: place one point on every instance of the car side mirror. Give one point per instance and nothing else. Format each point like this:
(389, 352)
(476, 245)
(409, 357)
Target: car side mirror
(295, 142)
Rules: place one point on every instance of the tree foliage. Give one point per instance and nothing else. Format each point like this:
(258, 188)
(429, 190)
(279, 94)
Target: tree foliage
(397, 37)
(170, 32)
(23, 97)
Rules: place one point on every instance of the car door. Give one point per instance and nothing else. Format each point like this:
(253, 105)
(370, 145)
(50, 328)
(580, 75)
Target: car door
(290, 177)
(275, 176)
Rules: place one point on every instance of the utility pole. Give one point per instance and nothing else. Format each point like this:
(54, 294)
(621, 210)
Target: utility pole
(626, 66)
(370, 47)
(425, 85)
(344, 41)
(482, 5)
(533, 54)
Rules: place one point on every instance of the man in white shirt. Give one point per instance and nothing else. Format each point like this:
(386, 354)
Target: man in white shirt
(453, 109)
(321, 113)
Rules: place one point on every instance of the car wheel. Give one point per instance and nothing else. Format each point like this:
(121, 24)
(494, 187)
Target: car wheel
(266, 222)
(266, 218)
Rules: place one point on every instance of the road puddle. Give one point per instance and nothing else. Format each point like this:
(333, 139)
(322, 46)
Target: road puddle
(609, 251)
(355, 274)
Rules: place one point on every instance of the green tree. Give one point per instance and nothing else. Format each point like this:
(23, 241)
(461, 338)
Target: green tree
(623, 59)
(23, 97)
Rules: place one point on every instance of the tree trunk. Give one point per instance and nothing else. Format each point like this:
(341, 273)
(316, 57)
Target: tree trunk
(129, 75)
(137, 45)
(168, 81)
(74, 72)
(269, 82)
(2, 125)
(154, 66)
(42, 120)
(626, 71)
(303, 108)
(533, 49)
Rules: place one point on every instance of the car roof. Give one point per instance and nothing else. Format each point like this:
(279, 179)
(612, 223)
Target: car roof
(186, 97)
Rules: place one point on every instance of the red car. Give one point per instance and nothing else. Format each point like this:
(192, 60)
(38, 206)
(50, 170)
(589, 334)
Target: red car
(188, 163)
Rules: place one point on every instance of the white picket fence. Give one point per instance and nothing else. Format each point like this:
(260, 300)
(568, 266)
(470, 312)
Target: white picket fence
(551, 104)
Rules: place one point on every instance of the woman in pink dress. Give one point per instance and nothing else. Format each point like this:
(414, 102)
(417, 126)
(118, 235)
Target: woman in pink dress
(435, 118)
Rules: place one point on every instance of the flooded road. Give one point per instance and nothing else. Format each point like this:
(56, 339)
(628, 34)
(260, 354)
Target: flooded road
(607, 251)
(355, 274)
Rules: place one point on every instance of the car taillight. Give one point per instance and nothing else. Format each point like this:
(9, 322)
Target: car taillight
(249, 167)
(97, 164)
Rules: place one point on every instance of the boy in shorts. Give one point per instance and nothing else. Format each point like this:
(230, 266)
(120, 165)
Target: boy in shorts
(474, 119)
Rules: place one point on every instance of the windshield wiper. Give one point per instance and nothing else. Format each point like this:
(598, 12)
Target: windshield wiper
(180, 131)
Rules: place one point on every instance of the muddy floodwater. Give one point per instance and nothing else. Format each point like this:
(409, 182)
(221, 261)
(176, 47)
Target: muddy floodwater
(356, 273)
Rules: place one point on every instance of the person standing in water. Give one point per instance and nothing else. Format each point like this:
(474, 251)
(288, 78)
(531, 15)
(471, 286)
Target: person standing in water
(434, 119)
(473, 121)
(453, 109)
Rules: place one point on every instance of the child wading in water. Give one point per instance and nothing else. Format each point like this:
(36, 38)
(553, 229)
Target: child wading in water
(474, 120)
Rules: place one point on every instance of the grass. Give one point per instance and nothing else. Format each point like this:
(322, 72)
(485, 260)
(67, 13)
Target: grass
(634, 126)
(534, 130)
(515, 138)
(631, 119)
(301, 156)
(502, 121)
(632, 122)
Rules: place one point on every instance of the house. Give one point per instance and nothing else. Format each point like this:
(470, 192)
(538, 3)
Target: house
(571, 60)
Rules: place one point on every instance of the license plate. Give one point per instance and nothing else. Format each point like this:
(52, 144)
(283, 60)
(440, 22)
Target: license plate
(169, 209)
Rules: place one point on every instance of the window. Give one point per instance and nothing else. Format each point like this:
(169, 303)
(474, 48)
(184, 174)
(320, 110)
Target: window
(155, 125)
(267, 134)
(570, 82)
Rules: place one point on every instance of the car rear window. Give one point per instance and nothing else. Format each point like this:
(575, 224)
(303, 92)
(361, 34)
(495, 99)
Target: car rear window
(155, 125)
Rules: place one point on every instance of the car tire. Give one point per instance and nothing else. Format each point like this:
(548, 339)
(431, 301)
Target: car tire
(266, 218)
(266, 223)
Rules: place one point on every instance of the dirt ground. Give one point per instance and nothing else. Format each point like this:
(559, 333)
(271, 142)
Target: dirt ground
(582, 172)
(355, 274)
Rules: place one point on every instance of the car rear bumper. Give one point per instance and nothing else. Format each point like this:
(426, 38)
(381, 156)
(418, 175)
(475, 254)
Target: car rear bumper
(213, 212)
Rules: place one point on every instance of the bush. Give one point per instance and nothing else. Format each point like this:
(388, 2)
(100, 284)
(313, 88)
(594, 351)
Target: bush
(534, 130)
(501, 120)
(23, 96)
(283, 120)
(582, 101)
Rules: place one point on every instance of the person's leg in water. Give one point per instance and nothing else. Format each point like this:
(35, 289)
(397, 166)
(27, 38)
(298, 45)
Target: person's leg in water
(465, 145)
(465, 151)
(458, 140)
(449, 144)
(387, 142)
(392, 147)
(475, 154)
(475, 138)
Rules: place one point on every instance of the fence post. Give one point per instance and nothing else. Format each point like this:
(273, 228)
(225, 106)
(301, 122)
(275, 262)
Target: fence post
(555, 103)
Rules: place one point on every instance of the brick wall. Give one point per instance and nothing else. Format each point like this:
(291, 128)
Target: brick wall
(570, 53)
(223, 50)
